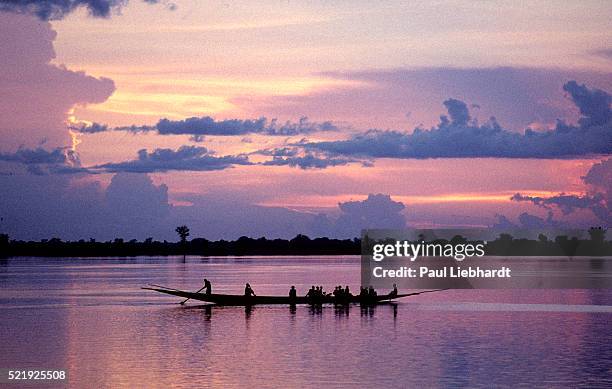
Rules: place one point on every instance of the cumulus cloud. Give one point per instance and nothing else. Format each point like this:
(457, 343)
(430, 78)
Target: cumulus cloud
(598, 198)
(594, 104)
(459, 136)
(199, 127)
(376, 211)
(36, 94)
(132, 195)
(36, 207)
(186, 158)
(57, 9)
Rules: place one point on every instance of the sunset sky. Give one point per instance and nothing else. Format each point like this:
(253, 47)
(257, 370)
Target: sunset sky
(125, 119)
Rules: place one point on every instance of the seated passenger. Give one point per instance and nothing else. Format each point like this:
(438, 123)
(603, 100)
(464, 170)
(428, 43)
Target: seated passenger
(363, 291)
(394, 291)
(248, 291)
(311, 292)
(371, 292)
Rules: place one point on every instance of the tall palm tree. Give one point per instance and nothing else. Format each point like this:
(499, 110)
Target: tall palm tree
(183, 233)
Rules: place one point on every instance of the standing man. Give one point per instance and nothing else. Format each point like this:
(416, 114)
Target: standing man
(207, 287)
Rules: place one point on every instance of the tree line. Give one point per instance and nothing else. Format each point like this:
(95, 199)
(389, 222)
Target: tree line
(505, 244)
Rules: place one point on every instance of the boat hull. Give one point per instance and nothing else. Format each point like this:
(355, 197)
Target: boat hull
(240, 300)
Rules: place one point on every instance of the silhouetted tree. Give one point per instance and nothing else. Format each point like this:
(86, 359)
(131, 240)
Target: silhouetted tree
(183, 233)
(597, 234)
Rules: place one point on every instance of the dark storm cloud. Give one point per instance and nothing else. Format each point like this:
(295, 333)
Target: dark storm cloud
(57, 9)
(186, 158)
(459, 136)
(206, 125)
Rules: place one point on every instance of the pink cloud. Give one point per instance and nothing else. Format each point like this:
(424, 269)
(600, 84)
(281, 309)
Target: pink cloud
(37, 95)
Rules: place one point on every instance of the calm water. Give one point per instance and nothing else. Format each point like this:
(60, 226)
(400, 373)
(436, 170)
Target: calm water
(89, 316)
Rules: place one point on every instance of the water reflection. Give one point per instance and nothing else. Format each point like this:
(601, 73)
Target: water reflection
(368, 310)
(342, 311)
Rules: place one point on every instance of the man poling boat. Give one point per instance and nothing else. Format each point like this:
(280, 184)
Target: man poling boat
(252, 299)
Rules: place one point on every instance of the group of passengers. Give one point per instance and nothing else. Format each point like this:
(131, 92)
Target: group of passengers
(367, 292)
(340, 292)
(316, 292)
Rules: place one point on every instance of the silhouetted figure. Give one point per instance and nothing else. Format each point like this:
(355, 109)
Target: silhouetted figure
(311, 292)
(207, 287)
(336, 292)
(347, 291)
(394, 291)
(292, 293)
(248, 291)
(371, 292)
(363, 292)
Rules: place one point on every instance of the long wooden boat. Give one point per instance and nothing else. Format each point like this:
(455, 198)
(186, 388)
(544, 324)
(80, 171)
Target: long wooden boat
(241, 300)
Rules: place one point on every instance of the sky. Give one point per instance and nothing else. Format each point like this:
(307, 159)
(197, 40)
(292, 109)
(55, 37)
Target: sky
(127, 118)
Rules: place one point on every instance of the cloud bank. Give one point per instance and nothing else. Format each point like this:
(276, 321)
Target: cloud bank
(57, 9)
(134, 207)
(206, 125)
(598, 199)
(186, 158)
(458, 135)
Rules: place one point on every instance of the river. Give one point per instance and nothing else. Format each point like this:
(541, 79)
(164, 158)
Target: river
(90, 318)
